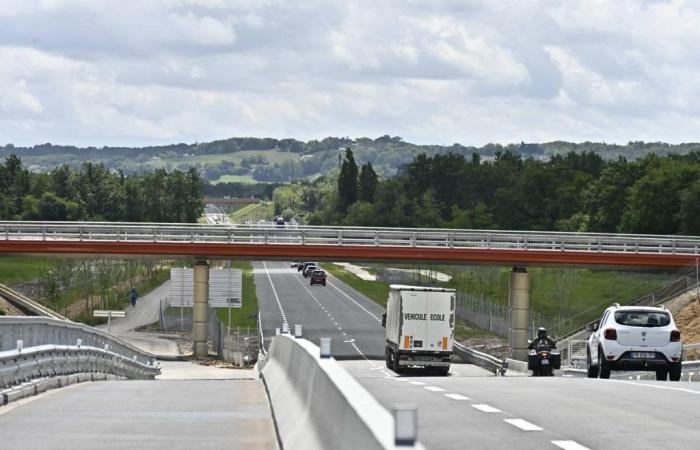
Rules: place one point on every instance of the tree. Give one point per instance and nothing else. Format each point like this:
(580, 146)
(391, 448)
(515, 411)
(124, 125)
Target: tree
(368, 183)
(347, 182)
(690, 210)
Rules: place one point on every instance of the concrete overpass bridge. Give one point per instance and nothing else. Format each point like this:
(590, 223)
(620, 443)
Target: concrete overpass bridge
(517, 248)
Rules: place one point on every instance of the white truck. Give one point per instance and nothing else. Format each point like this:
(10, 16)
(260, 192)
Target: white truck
(420, 326)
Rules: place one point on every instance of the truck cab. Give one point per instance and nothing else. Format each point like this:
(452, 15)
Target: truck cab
(420, 323)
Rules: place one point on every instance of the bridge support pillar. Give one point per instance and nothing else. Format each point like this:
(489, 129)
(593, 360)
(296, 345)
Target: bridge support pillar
(519, 306)
(200, 309)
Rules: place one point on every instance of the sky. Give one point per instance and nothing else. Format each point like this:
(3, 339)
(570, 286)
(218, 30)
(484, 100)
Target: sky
(146, 72)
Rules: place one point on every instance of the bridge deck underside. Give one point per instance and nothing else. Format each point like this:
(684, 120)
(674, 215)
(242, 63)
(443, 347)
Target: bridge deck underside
(285, 252)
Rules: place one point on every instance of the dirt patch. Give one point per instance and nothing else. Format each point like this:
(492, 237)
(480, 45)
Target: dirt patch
(688, 322)
(493, 345)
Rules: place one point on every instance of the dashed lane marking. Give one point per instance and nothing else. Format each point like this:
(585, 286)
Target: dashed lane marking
(434, 389)
(355, 302)
(417, 383)
(486, 408)
(569, 445)
(456, 397)
(523, 424)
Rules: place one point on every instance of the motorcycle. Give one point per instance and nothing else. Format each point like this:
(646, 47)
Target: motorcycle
(543, 360)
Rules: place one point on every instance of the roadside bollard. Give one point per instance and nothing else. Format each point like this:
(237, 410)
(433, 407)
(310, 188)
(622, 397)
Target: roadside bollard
(277, 331)
(20, 344)
(405, 425)
(107, 347)
(297, 330)
(325, 347)
(285, 328)
(79, 342)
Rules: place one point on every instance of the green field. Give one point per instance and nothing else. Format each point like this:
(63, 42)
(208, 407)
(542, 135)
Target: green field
(236, 179)
(21, 269)
(256, 212)
(244, 316)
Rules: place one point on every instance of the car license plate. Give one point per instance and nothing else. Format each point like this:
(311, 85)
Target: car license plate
(545, 362)
(643, 355)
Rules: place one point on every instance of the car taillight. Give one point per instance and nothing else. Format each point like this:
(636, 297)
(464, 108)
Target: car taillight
(675, 336)
(611, 334)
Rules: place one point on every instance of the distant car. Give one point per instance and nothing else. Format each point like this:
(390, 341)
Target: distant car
(279, 221)
(309, 269)
(318, 277)
(302, 267)
(295, 265)
(635, 338)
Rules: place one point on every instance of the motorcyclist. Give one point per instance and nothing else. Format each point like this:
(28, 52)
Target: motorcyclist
(542, 340)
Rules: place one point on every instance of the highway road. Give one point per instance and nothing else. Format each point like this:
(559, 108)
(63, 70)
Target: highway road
(473, 409)
(351, 320)
(158, 415)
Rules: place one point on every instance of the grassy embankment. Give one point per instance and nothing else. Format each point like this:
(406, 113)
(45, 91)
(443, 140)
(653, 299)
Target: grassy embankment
(22, 269)
(254, 212)
(244, 316)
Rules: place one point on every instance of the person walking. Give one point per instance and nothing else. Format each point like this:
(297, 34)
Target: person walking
(133, 295)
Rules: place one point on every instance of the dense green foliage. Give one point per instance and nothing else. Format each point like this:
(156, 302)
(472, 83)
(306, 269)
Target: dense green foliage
(347, 182)
(92, 192)
(283, 160)
(573, 192)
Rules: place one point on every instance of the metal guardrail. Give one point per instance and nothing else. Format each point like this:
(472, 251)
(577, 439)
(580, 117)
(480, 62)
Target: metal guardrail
(355, 236)
(28, 304)
(481, 359)
(22, 365)
(38, 331)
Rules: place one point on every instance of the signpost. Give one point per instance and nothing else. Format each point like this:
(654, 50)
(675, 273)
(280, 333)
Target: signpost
(108, 314)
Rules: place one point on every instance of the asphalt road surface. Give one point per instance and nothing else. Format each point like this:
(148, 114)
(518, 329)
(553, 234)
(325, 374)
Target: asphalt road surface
(352, 321)
(158, 415)
(471, 408)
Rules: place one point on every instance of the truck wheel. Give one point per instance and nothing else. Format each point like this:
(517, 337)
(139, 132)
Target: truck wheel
(395, 363)
(442, 371)
(603, 365)
(675, 371)
(591, 370)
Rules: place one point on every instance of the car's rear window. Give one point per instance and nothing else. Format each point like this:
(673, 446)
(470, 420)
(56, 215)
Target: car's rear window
(643, 318)
(319, 272)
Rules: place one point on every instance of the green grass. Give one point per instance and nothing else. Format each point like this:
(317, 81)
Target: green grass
(236, 179)
(21, 269)
(245, 315)
(375, 290)
(255, 212)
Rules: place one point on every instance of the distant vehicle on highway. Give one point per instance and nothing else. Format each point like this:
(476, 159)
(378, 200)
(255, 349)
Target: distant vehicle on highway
(635, 338)
(302, 267)
(279, 221)
(420, 326)
(295, 265)
(308, 269)
(318, 277)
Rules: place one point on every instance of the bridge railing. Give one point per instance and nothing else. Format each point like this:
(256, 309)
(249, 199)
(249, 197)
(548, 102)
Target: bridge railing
(350, 236)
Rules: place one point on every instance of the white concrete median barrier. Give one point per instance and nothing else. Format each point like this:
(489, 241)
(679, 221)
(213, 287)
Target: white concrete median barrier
(318, 405)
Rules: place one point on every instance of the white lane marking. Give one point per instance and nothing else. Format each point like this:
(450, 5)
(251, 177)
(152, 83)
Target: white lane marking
(486, 408)
(434, 389)
(456, 397)
(656, 386)
(523, 425)
(417, 383)
(274, 291)
(569, 445)
(355, 302)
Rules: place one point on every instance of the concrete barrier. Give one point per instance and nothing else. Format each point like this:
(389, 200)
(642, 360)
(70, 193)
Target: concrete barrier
(318, 405)
(516, 367)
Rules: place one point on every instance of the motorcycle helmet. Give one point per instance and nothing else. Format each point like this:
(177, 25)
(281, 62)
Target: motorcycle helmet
(541, 332)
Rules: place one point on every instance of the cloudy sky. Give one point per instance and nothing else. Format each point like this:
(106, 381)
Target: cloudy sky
(141, 72)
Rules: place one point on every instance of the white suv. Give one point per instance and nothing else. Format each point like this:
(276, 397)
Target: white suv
(635, 338)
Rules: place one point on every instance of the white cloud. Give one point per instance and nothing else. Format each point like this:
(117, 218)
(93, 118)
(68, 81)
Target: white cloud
(156, 71)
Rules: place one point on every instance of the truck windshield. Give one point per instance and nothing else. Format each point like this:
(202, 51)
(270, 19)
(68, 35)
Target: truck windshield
(642, 318)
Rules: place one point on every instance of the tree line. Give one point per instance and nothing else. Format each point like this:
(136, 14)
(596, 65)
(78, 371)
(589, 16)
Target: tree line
(571, 192)
(93, 192)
